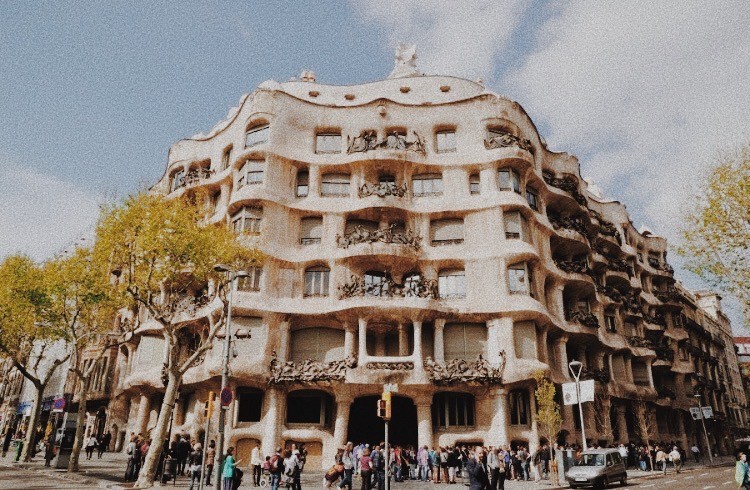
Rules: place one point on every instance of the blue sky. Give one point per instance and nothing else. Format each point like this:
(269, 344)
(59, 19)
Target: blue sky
(645, 93)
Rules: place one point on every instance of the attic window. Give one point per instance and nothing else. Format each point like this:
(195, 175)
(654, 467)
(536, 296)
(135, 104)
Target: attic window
(313, 93)
(405, 90)
(445, 88)
(349, 96)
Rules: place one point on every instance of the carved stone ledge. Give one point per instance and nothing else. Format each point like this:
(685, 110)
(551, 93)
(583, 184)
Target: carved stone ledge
(579, 266)
(368, 140)
(507, 140)
(391, 365)
(585, 318)
(422, 288)
(460, 371)
(383, 189)
(360, 234)
(309, 371)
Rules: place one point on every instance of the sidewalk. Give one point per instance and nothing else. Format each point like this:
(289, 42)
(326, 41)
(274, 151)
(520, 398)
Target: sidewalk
(109, 471)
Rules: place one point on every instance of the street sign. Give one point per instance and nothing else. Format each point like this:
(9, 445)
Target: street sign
(226, 397)
(59, 405)
(708, 412)
(695, 412)
(570, 396)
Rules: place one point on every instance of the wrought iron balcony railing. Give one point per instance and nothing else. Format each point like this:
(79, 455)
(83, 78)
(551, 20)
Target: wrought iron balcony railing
(388, 288)
(567, 184)
(506, 140)
(585, 318)
(360, 234)
(383, 189)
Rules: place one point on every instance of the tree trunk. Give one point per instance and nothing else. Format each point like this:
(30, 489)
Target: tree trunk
(148, 472)
(80, 426)
(36, 409)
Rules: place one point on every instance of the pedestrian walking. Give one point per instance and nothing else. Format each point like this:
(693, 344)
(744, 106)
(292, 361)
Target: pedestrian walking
(661, 459)
(256, 463)
(696, 453)
(676, 459)
(91, 444)
(228, 469)
(365, 469)
(477, 471)
(347, 459)
(741, 476)
(210, 460)
(195, 462)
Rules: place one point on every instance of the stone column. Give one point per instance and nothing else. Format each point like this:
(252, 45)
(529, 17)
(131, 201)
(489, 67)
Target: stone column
(349, 346)
(144, 412)
(622, 425)
(650, 373)
(581, 353)
(424, 421)
(562, 355)
(498, 433)
(313, 176)
(629, 369)
(362, 340)
(439, 347)
(542, 346)
(343, 404)
(417, 325)
(380, 345)
(272, 420)
(681, 428)
(284, 335)
(403, 340)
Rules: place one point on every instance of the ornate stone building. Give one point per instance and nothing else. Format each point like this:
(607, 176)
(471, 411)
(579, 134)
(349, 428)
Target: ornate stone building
(419, 232)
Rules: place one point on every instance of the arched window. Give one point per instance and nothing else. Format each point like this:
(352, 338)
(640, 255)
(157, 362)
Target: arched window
(445, 141)
(226, 157)
(453, 410)
(248, 220)
(311, 230)
(251, 173)
(532, 197)
(309, 407)
(256, 135)
(316, 281)
(452, 283)
(518, 401)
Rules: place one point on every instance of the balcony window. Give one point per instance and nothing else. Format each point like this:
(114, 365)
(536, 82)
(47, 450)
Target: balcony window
(464, 340)
(446, 141)
(376, 283)
(309, 407)
(519, 279)
(610, 321)
(316, 281)
(303, 183)
(509, 180)
(226, 157)
(251, 173)
(516, 226)
(518, 400)
(427, 185)
(411, 284)
(524, 338)
(248, 220)
(311, 230)
(533, 199)
(452, 410)
(353, 225)
(328, 143)
(252, 281)
(178, 180)
(452, 284)
(249, 404)
(387, 181)
(335, 185)
(322, 344)
(256, 136)
(447, 231)
(474, 184)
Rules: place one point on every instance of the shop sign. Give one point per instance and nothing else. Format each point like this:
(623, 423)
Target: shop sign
(24, 408)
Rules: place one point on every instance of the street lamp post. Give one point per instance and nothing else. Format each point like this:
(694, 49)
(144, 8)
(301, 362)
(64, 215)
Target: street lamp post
(575, 369)
(703, 423)
(233, 275)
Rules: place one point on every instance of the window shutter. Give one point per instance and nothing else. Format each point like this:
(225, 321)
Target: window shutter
(447, 229)
(311, 227)
(525, 340)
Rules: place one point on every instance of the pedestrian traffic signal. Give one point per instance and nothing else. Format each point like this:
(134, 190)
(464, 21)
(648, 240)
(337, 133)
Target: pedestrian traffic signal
(209, 406)
(384, 409)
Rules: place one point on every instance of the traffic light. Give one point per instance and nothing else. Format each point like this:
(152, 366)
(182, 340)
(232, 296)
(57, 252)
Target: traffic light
(384, 406)
(209, 406)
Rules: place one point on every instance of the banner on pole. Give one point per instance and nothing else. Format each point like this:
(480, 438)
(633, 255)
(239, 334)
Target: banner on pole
(708, 412)
(695, 412)
(570, 397)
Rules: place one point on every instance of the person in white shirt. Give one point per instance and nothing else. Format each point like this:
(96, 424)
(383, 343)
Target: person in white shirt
(623, 450)
(676, 459)
(661, 459)
(696, 453)
(91, 444)
(255, 462)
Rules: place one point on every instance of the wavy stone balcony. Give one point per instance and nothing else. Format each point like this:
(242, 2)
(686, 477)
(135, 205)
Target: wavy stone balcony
(668, 296)
(462, 372)
(368, 141)
(508, 140)
(585, 318)
(566, 184)
(570, 266)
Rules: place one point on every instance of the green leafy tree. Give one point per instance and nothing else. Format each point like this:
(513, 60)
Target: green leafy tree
(717, 235)
(645, 424)
(81, 306)
(548, 417)
(26, 339)
(163, 256)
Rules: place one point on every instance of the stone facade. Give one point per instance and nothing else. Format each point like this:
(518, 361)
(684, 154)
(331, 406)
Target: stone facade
(419, 232)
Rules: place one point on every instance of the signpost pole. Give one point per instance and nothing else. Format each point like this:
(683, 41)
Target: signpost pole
(203, 459)
(705, 433)
(387, 458)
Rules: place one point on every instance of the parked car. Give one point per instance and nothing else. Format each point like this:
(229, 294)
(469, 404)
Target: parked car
(597, 468)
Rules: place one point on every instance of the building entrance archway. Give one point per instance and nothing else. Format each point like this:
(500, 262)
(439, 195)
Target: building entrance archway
(365, 425)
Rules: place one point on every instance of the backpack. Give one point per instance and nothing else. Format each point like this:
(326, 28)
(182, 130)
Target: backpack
(275, 463)
(137, 453)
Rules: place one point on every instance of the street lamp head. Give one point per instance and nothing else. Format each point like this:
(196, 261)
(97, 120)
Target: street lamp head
(222, 268)
(242, 274)
(575, 368)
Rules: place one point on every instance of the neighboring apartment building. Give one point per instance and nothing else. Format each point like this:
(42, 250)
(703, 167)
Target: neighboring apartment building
(419, 232)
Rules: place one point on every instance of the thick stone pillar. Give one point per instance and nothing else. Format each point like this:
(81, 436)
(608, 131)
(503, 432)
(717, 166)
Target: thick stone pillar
(403, 340)
(542, 346)
(362, 340)
(650, 373)
(681, 428)
(272, 420)
(144, 412)
(424, 422)
(439, 347)
(349, 345)
(417, 325)
(313, 184)
(284, 341)
(498, 433)
(343, 404)
(562, 355)
(622, 425)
